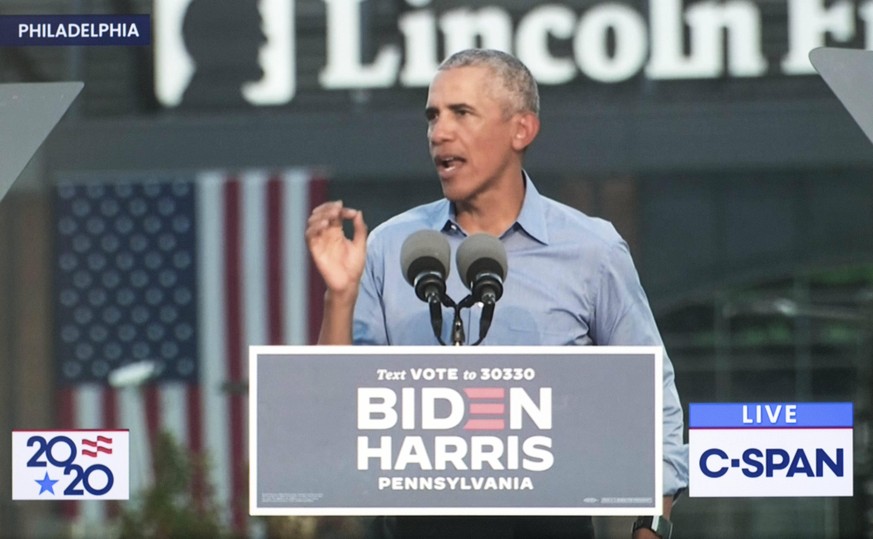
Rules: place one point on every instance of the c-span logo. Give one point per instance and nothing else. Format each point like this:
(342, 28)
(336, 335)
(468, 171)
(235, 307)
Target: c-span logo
(770, 449)
(70, 464)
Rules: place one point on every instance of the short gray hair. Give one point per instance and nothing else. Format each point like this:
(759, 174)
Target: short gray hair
(515, 76)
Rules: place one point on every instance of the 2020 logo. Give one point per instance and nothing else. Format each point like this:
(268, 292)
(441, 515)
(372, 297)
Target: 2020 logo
(70, 465)
(80, 475)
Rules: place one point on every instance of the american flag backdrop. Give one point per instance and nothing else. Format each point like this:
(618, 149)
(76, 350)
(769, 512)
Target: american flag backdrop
(184, 273)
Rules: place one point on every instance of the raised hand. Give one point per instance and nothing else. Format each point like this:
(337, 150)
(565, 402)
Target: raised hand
(340, 260)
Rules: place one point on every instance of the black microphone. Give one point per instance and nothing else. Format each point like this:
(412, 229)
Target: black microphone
(424, 260)
(482, 263)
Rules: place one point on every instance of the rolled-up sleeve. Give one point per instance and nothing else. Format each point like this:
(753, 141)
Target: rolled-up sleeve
(369, 319)
(622, 316)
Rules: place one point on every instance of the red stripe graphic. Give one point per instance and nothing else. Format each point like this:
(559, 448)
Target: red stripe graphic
(89, 453)
(98, 448)
(485, 392)
(484, 424)
(487, 409)
(100, 439)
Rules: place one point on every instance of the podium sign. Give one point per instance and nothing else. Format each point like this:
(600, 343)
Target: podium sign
(455, 431)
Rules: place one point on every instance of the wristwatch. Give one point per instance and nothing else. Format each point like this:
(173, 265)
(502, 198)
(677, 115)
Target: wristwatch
(662, 527)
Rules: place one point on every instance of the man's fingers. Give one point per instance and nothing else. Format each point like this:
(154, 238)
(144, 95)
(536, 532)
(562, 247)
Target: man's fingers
(360, 237)
(329, 211)
(334, 212)
(328, 207)
(323, 217)
(330, 215)
(315, 227)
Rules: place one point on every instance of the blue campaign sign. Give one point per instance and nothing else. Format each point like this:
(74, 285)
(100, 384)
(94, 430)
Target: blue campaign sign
(771, 414)
(77, 30)
(376, 430)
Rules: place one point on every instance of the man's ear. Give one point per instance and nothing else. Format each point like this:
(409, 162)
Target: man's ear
(527, 126)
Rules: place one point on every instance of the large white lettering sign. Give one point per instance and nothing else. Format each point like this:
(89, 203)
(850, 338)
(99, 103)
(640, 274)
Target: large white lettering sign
(609, 42)
(428, 430)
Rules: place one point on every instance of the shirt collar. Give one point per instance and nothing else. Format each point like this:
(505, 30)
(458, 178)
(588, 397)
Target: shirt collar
(531, 219)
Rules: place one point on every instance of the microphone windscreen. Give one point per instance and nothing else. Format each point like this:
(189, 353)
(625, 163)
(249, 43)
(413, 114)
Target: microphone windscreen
(424, 251)
(481, 252)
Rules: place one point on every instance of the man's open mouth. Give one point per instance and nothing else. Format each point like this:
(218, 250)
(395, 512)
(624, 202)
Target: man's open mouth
(448, 163)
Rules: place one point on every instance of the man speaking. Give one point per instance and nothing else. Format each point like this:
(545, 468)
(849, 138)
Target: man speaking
(571, 280)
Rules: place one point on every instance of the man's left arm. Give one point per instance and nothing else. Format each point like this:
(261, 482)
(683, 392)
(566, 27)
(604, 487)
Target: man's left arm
(623, 317)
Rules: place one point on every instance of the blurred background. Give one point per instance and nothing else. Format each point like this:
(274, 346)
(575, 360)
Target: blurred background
(161, 222)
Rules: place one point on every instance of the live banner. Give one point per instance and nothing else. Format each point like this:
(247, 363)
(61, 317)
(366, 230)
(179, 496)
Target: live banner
(397, 430)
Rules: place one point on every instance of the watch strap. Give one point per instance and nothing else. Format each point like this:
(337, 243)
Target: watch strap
(662, 527)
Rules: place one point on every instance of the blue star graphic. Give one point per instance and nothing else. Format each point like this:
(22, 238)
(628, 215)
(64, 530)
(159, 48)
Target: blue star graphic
(46, 484)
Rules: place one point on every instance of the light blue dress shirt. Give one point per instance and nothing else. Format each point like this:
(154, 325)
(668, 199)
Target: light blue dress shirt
(570, 281)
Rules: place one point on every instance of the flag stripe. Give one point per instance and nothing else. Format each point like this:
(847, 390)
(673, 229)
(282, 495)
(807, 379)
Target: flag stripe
(153, 413)
(297, 204)
(275, 256)
(195, 419)
(254, 264)
(172, 398)
(66, 420)
(233, 322)
(110, 409)
(66, 408)
(110, 421)
(317, 195)
(210, 237)
(131, 402)
(195, 443)
(255, 316)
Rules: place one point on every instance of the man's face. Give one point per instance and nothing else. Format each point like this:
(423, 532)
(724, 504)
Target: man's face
(470, 133)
